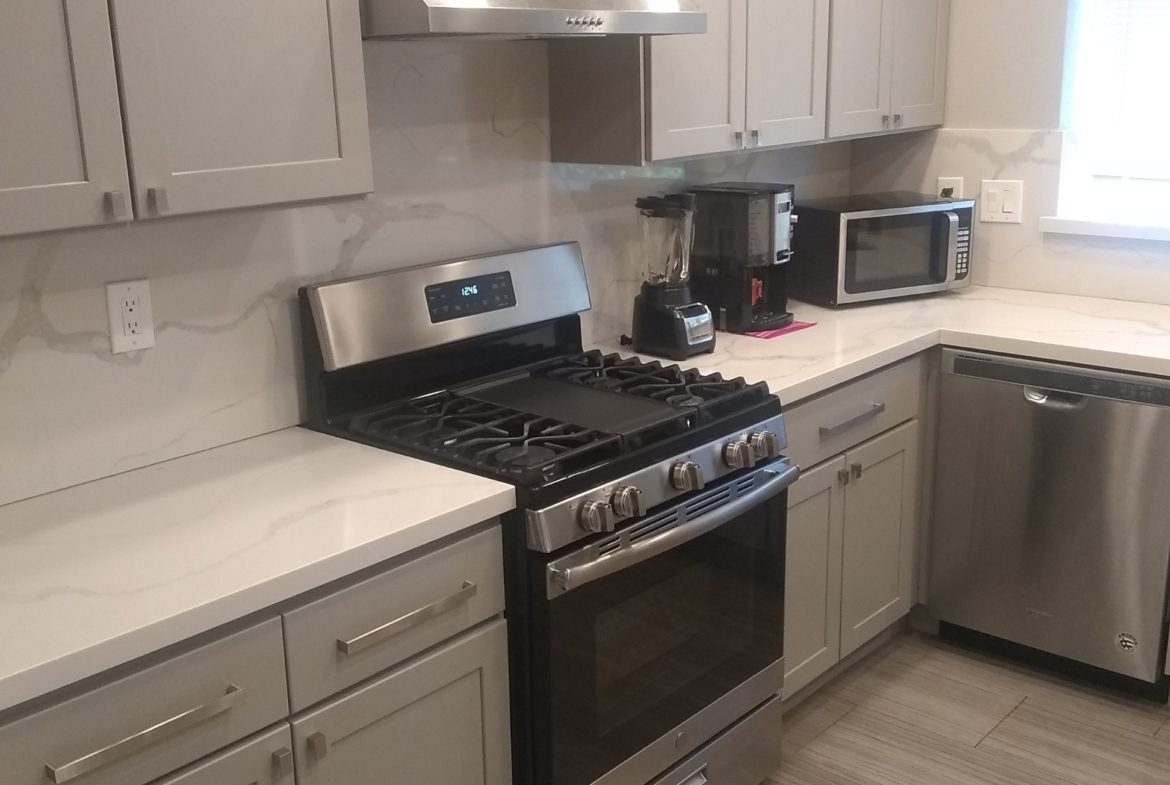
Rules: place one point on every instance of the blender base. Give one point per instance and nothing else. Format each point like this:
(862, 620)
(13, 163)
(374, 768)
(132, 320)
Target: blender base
(668, 323)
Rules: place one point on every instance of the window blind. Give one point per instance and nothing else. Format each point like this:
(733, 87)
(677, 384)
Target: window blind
(1119, 112)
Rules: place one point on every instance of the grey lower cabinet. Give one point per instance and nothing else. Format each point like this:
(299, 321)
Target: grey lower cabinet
(441, 719)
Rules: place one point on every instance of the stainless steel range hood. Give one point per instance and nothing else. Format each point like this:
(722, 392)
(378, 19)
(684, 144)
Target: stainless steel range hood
(530, 18)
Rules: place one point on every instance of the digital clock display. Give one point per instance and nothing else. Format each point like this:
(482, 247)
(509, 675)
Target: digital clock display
(470, 296)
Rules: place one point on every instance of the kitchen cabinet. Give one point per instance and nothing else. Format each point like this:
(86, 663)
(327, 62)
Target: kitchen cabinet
(812, 581)
(440, 719)
(852, 517)
(231, 104)
(227, 103)
(877, 555)
(757, 78)
(62, 152)
(888, 62)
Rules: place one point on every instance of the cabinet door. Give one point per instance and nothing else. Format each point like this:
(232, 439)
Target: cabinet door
(877, 563)
(61, 143)
(812, 580)
(860, 66)
(231, 103)
(265, 759)
(921, 36)
(697, 85)
(787, 70)
(441, 720)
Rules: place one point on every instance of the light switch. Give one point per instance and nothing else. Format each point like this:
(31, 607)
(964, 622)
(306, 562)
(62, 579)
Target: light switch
(1002, 201)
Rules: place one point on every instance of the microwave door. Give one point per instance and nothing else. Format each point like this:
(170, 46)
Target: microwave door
(897, 253)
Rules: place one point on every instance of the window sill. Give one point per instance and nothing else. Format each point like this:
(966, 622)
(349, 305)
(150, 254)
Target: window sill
(1056, 225)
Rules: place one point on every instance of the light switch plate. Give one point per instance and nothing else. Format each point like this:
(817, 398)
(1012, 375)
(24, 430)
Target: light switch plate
(131, 316)
(1002, 202)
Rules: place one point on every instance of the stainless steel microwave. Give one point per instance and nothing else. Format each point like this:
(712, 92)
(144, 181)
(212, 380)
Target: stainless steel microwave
(868, 247)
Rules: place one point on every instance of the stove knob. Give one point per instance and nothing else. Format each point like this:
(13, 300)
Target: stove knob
(765, 444)
(687, 476)
(596, 517)
(628, 503)
(739, 455)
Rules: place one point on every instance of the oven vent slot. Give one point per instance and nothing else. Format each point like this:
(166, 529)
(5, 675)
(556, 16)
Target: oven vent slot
(706, 504)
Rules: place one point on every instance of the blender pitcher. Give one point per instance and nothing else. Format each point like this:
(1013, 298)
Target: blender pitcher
(668, 232)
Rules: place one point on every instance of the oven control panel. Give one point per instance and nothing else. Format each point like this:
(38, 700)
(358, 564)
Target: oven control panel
(470, 296)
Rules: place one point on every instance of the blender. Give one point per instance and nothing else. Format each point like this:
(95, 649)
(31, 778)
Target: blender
(667, 320)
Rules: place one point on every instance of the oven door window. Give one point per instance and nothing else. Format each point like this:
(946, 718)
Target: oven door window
(895, 252)
(636, 653)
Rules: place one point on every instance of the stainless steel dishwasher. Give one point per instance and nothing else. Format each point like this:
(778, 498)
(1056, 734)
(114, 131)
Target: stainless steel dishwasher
(1051, 529)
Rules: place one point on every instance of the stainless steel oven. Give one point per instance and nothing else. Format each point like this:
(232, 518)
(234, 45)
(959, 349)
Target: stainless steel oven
(870, 247)
(652, 640)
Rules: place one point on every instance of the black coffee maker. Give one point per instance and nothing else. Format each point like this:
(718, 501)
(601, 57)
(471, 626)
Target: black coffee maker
(668, 322)
(743, 242)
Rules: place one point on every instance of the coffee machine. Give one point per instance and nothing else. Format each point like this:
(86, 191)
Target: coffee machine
(668, 322)
(743, 242)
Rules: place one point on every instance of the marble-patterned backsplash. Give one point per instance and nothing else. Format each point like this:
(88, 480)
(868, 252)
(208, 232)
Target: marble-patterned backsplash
(1017, 256)
(460, 139)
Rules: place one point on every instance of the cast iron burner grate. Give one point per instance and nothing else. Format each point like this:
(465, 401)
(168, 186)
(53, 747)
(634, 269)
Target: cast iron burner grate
(711, 394)
(525, 448)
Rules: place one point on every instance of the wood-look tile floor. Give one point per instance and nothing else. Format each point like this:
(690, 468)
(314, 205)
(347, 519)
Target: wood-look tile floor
(920, 712)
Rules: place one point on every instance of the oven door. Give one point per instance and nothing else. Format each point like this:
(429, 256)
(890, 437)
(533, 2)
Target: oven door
(898, 252)
(651, 641)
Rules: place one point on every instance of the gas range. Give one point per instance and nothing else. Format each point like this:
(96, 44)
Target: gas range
(645, 559)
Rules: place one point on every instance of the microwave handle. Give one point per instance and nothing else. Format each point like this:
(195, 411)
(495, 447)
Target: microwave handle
(952, 246)
(561, 581)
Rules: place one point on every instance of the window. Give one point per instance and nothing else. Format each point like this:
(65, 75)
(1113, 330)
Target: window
(1116, 162)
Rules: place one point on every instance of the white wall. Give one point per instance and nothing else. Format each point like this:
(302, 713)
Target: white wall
(460, 138)
(1003, 116)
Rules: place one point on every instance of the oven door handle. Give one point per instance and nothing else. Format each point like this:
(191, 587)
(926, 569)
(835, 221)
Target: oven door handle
(780, 477)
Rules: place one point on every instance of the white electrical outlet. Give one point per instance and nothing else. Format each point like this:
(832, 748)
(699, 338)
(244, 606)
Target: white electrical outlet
(954, 183)
(131, 317)
(1002, 202)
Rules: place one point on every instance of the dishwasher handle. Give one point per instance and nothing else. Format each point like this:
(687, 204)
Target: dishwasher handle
(1057, 401)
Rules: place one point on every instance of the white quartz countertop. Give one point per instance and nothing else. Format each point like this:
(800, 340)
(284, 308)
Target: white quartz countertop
(850, 342)
(97, 575)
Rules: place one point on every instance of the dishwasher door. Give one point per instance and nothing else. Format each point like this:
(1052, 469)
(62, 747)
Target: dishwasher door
(1052, 509)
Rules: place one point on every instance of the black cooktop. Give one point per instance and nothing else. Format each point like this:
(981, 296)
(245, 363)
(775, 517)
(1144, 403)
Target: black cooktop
(559, 417)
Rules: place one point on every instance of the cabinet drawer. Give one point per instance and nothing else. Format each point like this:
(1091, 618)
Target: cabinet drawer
(337, 641)
(832, 423)
(152, 722)
(265, 759)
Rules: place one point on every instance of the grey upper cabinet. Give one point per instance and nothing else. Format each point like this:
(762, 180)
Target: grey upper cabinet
(787, 71)
(231, 103)
(227, 103)
(442, 719)
(62, 154)
(888, 63)
(756, 78)
(878, 546)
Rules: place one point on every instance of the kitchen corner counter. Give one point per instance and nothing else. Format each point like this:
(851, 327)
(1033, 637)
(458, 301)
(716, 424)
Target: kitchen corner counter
(97, 575)
(851, 342)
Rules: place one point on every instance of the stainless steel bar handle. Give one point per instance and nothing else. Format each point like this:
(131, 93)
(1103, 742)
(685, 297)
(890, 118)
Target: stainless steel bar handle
(158, 198)
(115, 204)
(739, 143)
(781, 477)
(410, 620)
(885, 121)
(755, 137)
(952, 246)
(897, 121)
(833, 431)
(698, 778)
(143, 739)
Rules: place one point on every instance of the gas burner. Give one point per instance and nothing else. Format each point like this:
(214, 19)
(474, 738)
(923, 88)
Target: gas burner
(710, 393)
(522, 447)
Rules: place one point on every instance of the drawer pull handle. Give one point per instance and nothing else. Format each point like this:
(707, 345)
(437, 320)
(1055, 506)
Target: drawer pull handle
(409, 621)
(140, 741)
(282, 762)
(832, 432)
(318, 746)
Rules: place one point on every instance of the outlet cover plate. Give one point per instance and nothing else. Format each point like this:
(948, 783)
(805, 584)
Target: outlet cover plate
(131, 316)
(951, 182)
